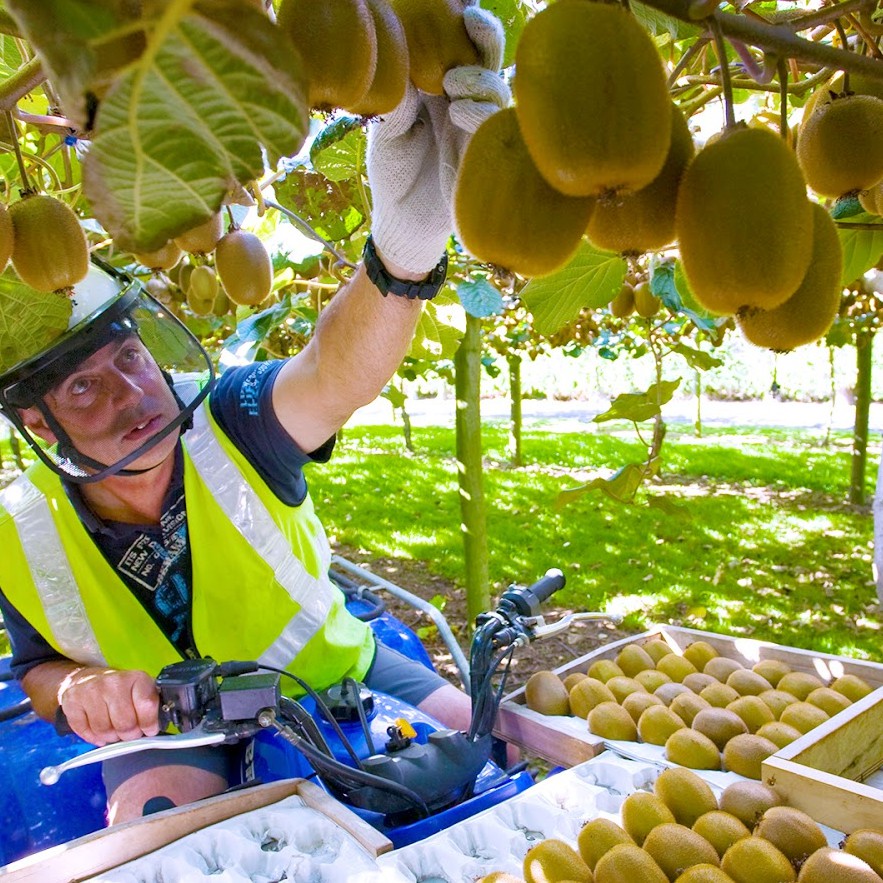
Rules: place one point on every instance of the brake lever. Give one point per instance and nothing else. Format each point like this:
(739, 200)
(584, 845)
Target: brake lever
(538, 628)
(191, 739)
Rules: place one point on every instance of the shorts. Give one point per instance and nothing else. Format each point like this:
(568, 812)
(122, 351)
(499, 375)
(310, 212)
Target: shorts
(390, 672)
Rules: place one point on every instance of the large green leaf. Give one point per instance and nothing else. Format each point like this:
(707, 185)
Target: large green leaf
(332, 209)
(514, 15)
(590, 280)
(440, 329)
(29, 320)
(480, 297)
(621, 486)
(862, 249)
(339, 150)
(191, 121)
(641, 405)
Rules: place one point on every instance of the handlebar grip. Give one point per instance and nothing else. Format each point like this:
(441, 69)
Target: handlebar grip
(527, 601)
(547, 585)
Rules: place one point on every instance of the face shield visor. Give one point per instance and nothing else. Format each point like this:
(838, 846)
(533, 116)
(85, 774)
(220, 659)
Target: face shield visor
(112, 393)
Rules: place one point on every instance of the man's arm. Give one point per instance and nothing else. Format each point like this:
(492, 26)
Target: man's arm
(359, 342)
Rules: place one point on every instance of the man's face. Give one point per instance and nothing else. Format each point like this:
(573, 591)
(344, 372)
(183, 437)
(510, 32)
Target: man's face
(111, 404)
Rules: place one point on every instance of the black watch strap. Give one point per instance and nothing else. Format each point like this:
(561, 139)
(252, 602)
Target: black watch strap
(388, 284)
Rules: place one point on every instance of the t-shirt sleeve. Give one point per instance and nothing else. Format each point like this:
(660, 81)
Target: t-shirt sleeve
(29, 648)
(241, 403)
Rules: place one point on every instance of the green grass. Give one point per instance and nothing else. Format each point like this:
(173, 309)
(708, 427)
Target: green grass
(760, 542)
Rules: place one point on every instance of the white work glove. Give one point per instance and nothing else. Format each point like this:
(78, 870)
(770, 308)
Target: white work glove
(415, 151)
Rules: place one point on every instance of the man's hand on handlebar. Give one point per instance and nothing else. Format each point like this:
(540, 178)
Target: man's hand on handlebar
(103, 705)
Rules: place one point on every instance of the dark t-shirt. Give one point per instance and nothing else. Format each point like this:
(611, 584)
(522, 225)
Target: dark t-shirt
(154, 560)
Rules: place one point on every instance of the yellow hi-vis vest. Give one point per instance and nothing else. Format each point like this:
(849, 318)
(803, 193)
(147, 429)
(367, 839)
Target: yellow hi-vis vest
(260, 588)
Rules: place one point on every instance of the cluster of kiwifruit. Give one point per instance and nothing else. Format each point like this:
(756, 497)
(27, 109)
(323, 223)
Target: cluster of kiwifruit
(707, 710)
(43, 238)
(242, 271)
(635, 296)
(681, 832)
(359, 54)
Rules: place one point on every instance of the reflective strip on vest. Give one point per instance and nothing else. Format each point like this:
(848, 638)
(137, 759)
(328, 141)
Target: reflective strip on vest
(51, 571)
(242, 505)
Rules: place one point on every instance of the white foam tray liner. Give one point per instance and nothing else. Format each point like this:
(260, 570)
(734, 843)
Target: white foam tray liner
(289, 841)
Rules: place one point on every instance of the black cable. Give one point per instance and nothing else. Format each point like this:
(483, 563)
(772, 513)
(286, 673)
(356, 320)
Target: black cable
(21, 707)
(354, 685)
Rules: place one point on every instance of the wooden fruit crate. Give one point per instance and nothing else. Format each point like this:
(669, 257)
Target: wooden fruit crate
(567, 741)
(104, 850)
(834, 773)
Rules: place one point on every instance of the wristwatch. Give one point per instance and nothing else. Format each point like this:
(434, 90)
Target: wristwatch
(388, 284)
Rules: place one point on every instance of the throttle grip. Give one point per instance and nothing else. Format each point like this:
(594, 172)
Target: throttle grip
(527, 600)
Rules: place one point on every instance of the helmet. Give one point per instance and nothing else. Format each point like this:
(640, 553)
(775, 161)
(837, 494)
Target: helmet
(107, 306)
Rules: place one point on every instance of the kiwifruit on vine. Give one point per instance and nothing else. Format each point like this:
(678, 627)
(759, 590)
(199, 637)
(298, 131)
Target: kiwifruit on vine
(872, 199)
(810, 311)
(437, 40)
(840, 145)
(49, 248)
(623, 305)
(592, 99)
(645, 220)
(162, 259)
(7, 236)
(202, 290)
(646, 303)
(202, 238)
(244, 267)
(744, 222)
(392, 69)
(505, 212)
(338, 46)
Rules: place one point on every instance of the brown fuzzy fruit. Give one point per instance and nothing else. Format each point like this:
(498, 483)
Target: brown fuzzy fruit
(592, 99)
(840, 145)
(623, 305)
(504, 210)
(745, 226)
(162, 259)
(7, 236)
(646, 303)
(645, 220)
(811, 310)
(49, 250)
(437, 40)
(338, 45)
(244, 266)
(391, 72)
(203, 238)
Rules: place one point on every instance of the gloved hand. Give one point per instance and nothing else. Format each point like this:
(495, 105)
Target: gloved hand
(414, 153)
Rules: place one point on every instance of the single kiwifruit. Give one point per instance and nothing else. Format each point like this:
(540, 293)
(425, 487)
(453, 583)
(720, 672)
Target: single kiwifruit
(811, 310)
(719, 695)
(657, 723)
(872, 199)
(49, 248)
(645, 220)
(637, 703)
(867, 844)
(676, 667)
(7, 236)
(792, 831)
(675, 847)
(604, 670)
(687, 706)
(704, 874)
(621, 686)
(755, 860)
(609, 720)
(588, 693)
(687, 795)
(437, 40)
(698, 681)
(598, 122)
(641, 812)
(597, 837)
(803, 716)
(851, 686)
(160, 259)
(634, 658)
(245, 268)
(202, 238)
(693, 749)
(748, 801)
(337, 43)
(829, 700)
(646, 306)
(721, 667)
(744, 222)
(623, 305)
(721, 829)
(840, 145)
(657, 648)
(753, 710)
(669, 692)
(505, 212)
(800, 684)
(771, 669)
(700, 653)
(571, 680)
(545, 693)
(651, 680)
(779, 733)
(719, 724)
(827, 865)
(553, 859)
(627, 863)
(391, 72)
(748, 683)
(745, 753)
(777, 701)
(203, 283)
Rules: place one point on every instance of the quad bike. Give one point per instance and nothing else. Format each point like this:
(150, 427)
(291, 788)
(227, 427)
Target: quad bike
(396, 767)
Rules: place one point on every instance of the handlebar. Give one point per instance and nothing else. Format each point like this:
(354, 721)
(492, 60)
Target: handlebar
(527, 601)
